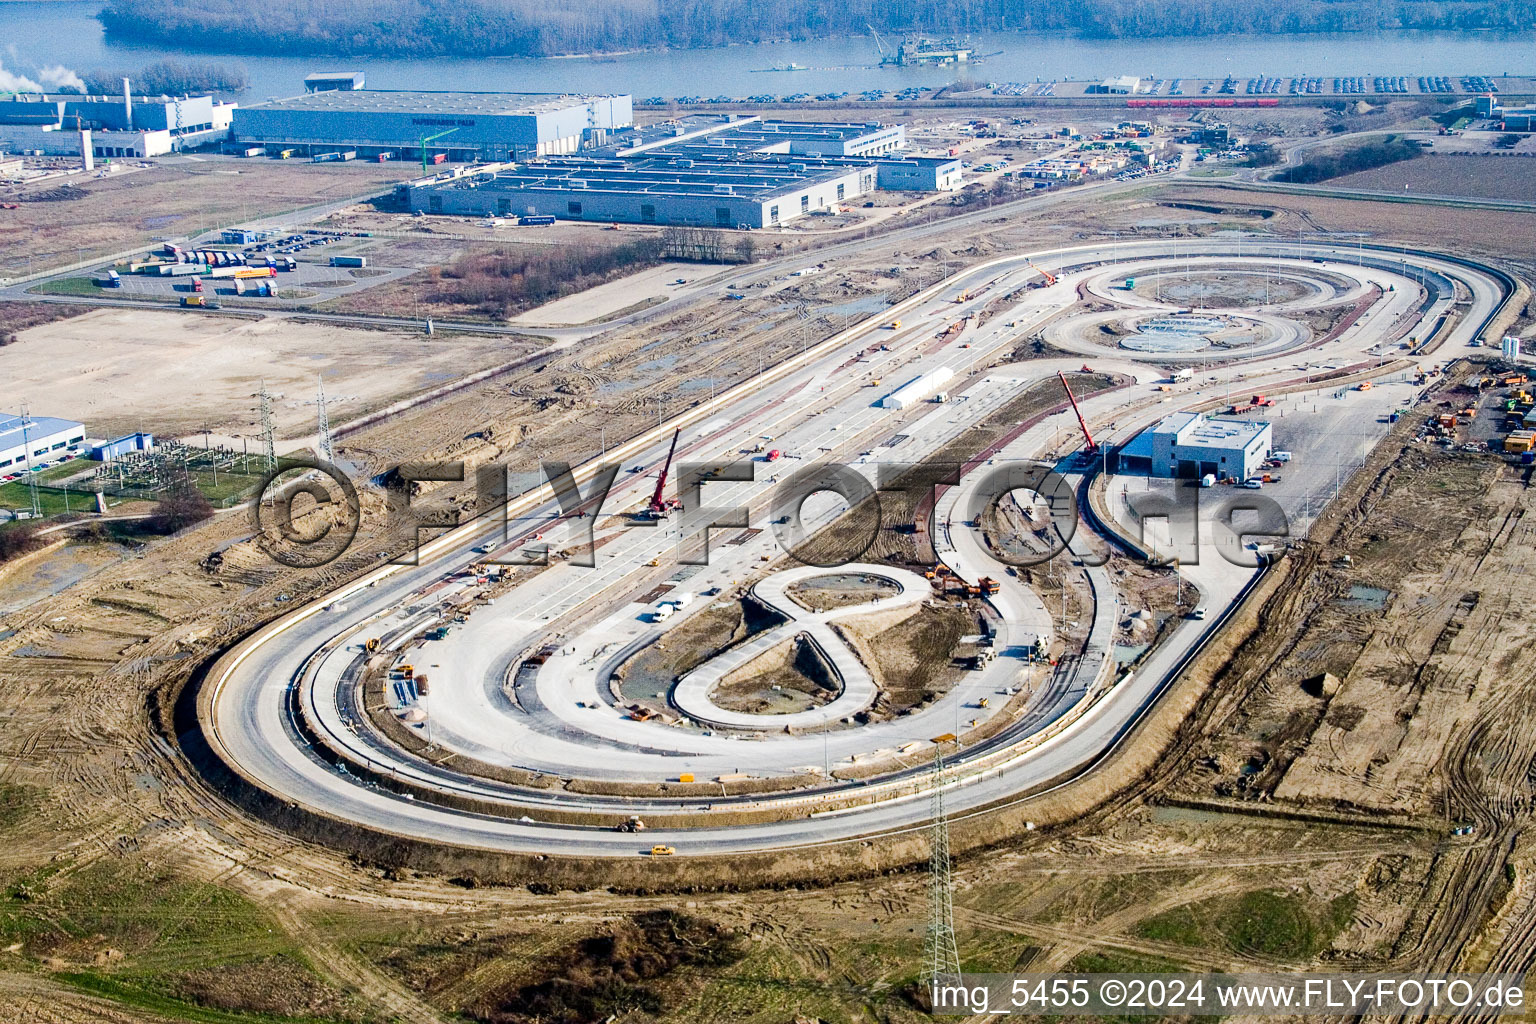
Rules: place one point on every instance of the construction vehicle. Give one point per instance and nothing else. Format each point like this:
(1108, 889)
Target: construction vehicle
(406, 671)
(1364, 385)
(1511, 379)
(440, 633)
(1091, 447)
(371, 645)
(633, 824)
(662, 851)
(989, 586)
(894, 325)
(422, 689)
(659, 507)
(984, 702)
(1050, 278)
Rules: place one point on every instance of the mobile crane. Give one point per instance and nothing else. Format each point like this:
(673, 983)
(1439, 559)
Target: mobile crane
(659, 507)
(1050, 278)
(1090, 446)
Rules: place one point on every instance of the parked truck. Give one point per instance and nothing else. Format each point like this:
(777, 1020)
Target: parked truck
(182, 269)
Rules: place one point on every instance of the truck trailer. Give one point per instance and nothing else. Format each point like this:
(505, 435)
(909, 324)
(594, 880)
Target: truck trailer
(349, 261)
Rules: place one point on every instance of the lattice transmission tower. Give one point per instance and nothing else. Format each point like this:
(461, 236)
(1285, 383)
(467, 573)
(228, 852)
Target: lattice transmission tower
(941, 950)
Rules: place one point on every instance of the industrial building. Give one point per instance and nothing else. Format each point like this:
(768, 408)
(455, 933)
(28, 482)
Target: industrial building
(27, 440)
(1190, 445)
(649, 190)
(327, 81)
(1511, 119)
(463, 126)
(714, 171)
(111, 126)
(1121, 85)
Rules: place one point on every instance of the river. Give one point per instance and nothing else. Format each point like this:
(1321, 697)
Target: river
(65, 32)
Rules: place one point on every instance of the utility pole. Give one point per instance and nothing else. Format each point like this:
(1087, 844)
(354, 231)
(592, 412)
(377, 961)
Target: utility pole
(26, 444)
(939, 945)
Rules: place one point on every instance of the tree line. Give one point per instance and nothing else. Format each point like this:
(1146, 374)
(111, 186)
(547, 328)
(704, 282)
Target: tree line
(544, 27)
(169, 78)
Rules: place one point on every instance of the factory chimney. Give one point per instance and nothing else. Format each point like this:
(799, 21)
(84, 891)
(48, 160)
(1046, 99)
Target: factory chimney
(128, 105)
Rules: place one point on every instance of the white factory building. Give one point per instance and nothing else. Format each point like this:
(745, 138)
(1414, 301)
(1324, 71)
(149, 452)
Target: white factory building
(32, 439)
(1190, 445)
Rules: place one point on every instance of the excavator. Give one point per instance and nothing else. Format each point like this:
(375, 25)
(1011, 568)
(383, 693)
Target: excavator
(659, 507)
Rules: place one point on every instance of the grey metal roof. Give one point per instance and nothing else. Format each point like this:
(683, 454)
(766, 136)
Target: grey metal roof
(389, 101)
(12, 432)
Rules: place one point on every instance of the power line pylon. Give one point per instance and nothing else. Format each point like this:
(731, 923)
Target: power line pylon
(267, 439)
(325, 424)
(941, 950)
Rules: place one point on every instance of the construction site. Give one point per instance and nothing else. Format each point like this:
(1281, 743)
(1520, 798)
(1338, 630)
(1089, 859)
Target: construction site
(667, 743)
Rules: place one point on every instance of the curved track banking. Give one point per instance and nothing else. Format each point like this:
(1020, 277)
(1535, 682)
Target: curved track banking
(294, 682)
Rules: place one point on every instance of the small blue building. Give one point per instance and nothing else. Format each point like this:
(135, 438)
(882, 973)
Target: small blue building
(108, 451)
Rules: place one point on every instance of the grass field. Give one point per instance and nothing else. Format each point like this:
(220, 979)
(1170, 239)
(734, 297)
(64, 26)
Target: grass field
(68, 286)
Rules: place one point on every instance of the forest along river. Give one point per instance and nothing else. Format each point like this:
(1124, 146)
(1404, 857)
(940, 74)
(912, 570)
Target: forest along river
(49, 33)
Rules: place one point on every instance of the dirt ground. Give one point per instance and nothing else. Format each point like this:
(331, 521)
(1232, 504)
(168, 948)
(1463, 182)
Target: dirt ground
(121, 370)
(130, 892)
(58, 225)
(1479, 177)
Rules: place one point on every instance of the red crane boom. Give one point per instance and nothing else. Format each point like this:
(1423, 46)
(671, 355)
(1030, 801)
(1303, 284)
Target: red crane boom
(1092, 445)
(658, 506)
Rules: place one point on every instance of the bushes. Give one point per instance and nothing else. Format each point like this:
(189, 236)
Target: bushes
(611, 975)
(183, 506)
(1363, 157)
(18, 540)
(506, 281)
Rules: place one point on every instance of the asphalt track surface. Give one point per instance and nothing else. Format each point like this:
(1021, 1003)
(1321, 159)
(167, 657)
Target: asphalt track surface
(287, 685)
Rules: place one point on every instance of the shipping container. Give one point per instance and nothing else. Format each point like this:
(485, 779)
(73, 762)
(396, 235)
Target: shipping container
(349, 261)
(254, 151)
(349, 154)
(535, 222)
(440, 158)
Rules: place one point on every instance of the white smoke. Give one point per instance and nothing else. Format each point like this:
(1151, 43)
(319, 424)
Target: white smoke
(16, 83)
(60, 77)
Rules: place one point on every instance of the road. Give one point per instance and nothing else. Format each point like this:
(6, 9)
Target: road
(818, 406)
